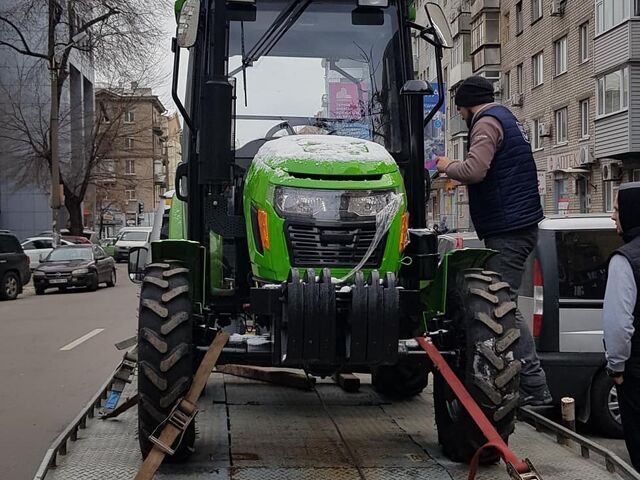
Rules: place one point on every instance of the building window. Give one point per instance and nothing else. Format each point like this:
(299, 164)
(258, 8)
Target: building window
(584, 118)
(519, 22)
(610, 191)
(128, 143)
(635, 176)
(506, 85)
(456, 151)
(506, 27)
(536, 139)
(130, 195)
(461, 51)
(519, 79)
(610, 13)
(536, 10)
(561, 197)
(130, 167)
(613, 92)
(537, 69)
(584, 42)
(561, 126)
(560, 47)
(129, 116)
(485, 30)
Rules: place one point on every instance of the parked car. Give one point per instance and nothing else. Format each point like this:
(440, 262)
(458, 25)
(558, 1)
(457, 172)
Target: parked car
(75, 266)
(108, 245)
(88, 234)
(14, 267)
(39, 247)
(561, 298)
(76, 239)
(128, 239)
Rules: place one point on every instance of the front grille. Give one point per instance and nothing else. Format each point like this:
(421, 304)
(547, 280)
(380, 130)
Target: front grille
(56, 275)
(335, 245)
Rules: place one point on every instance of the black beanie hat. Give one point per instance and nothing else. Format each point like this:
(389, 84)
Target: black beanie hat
(629, 210)
(474, 91)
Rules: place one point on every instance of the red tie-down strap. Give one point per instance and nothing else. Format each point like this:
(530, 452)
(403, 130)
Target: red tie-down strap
(517, 469)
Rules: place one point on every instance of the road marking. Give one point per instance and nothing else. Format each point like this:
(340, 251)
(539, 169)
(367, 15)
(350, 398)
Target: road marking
(83, 338)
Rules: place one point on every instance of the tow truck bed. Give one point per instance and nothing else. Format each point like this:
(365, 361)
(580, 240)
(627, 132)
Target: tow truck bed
(252, 430)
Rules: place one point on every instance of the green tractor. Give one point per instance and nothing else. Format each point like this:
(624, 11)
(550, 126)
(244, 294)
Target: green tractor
(299, 223)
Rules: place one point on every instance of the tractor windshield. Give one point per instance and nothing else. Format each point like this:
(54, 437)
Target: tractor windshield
(325, 75)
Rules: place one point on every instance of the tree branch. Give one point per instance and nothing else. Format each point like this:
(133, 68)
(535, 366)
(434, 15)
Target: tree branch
(26, 50)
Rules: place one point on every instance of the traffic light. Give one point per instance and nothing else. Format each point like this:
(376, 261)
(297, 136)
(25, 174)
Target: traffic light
(141, 208)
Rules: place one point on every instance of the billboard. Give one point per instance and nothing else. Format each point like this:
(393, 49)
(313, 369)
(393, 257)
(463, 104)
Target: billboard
(435, 131)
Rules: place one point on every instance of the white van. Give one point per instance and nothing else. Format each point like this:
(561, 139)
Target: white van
(129, 237)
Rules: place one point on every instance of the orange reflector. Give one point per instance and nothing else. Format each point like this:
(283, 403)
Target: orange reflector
(264, 229)
(404, 229)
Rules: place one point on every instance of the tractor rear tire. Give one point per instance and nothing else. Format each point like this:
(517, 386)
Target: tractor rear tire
(484, 324)
(165, 353)
(403, 380)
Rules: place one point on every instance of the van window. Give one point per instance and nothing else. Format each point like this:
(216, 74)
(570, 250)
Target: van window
(582, 262)
(134, 236)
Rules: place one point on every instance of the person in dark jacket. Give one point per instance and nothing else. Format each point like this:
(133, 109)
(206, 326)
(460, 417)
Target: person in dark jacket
(621, 316)
(502, 181)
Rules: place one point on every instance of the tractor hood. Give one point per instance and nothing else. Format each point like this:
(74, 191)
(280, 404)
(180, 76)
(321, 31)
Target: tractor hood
(325, 155)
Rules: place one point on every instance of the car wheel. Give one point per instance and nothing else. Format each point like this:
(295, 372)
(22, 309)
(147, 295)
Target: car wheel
(93, 283)
(10, 286)
(112, 279)
(605, 410)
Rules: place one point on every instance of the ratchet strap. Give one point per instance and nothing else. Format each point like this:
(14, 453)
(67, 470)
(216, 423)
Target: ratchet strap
(183, 413)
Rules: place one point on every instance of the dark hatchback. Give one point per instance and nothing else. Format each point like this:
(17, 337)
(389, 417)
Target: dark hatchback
(14, 267)
(75, 266)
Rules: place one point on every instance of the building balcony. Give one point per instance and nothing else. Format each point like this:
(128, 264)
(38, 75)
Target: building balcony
(159, 172)
(458, 73)
(460, 23)
(457, 126)
(479, 6)
(617, 46)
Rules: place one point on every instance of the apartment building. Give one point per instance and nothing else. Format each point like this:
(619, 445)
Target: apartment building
(174, 148)
(132, 170)
(616, 65)
(25, 186)
(566, 70)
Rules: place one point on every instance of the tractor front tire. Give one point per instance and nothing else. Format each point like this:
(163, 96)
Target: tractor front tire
(402, 380)
(484, 323)
(165, 353)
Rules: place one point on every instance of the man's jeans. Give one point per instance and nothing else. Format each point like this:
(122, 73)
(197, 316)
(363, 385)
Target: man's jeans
(514, 248)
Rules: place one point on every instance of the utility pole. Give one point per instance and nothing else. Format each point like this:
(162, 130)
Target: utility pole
(54, 125)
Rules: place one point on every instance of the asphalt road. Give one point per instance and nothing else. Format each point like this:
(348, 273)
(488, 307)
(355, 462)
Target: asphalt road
(48, 370)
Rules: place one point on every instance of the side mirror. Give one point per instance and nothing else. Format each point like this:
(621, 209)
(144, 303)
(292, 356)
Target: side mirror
(182, 181)
(43, 256)
(188, 19)
(438, 21)
(137, 263)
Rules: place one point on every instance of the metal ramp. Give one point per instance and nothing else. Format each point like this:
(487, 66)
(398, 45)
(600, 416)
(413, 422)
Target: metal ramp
(251, 430)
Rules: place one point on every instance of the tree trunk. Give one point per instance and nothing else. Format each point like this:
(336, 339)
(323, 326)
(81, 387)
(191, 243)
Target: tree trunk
(74, 207)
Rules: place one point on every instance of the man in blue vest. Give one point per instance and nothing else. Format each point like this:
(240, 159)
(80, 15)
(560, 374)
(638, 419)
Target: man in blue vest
(621, 316)
(501, 178)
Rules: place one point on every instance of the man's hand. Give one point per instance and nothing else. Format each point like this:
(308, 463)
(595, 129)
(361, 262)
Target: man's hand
(618, 380)
(443, 163)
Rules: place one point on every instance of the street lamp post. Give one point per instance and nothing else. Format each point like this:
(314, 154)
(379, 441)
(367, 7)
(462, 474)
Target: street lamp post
(54, 126)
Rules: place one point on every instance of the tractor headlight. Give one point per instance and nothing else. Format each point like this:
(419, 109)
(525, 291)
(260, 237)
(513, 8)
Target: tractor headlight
(330, 204)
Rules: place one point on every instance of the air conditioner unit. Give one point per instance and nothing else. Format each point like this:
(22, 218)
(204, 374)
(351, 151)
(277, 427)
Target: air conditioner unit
(611, 172)
(557, 8)
(497, 88)
(544, 130)
(517, 99)
(586, 155)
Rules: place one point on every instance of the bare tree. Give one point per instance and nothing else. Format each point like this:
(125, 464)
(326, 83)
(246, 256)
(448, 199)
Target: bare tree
(117, 36)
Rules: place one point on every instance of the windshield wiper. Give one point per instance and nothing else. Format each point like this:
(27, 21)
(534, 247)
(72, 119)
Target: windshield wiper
(281, 25)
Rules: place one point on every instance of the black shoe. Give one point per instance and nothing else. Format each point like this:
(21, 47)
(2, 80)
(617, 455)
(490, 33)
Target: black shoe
(543, 400)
